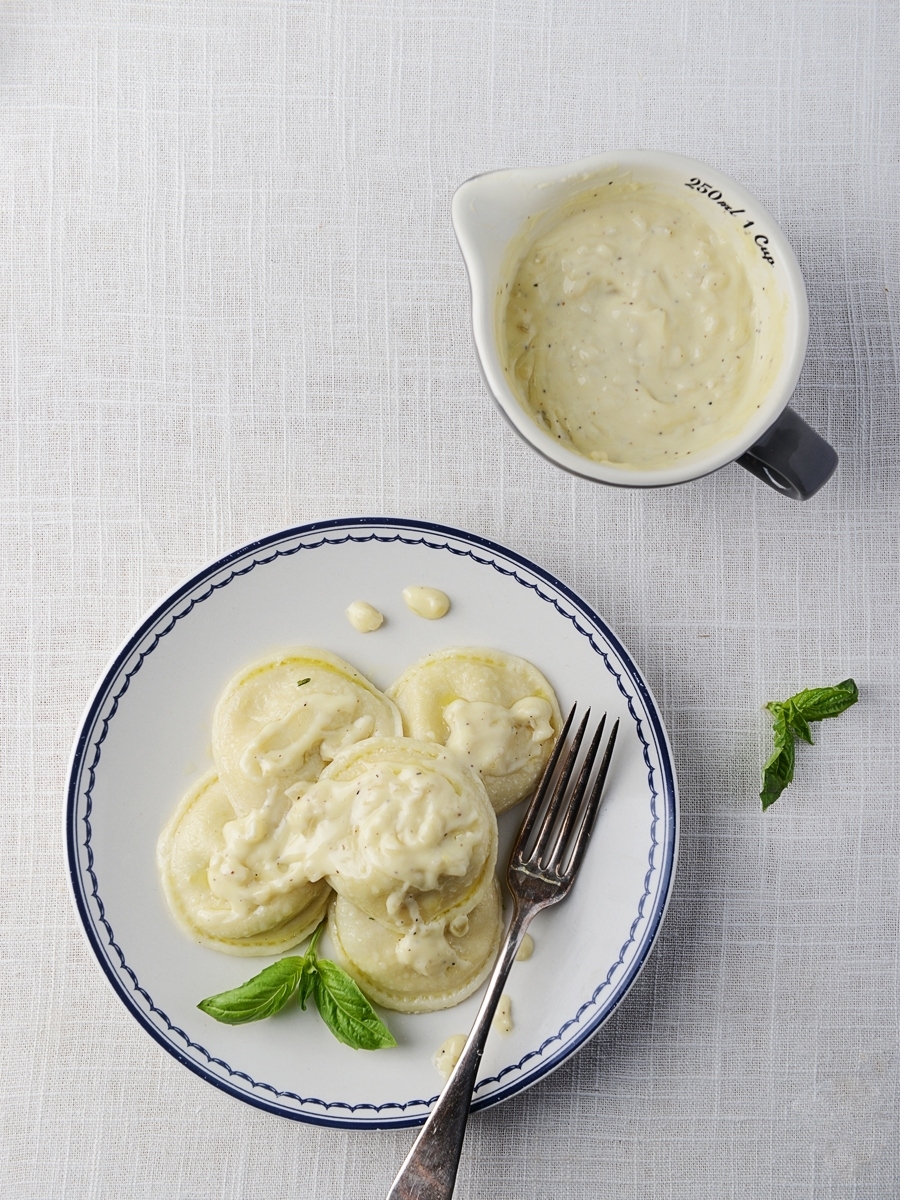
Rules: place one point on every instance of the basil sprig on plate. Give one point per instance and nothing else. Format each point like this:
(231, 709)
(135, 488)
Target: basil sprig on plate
(791, 719)
(342, 1006)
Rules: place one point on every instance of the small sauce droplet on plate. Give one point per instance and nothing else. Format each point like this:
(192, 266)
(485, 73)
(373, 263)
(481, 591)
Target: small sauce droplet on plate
(503, 1022)
(526, 949)
(448, 1055)
(363, 616)
(427, 602)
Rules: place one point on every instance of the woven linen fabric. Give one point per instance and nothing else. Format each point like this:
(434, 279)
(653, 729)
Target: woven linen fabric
(231, 301)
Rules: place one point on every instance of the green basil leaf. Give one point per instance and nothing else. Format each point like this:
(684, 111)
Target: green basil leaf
(792, 717)
(307, 982)
(261, 996)
(798, 722)
(816, 704)
(346, 1011)
(779, 770)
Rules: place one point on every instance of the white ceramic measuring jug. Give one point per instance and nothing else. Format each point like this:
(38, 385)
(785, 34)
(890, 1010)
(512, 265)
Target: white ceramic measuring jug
(490, 213)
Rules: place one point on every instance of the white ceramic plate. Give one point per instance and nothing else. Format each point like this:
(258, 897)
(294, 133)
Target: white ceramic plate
(145, 738)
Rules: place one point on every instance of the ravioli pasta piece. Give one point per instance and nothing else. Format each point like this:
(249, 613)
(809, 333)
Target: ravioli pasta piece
(401, 829)
(430, 966)
(280, 720)
(223, 882)
(495, 711)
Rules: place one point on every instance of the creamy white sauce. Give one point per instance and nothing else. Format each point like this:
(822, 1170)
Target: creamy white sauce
(496, 740)
(503, 1022)
(447, 1056)
(632, 332)
(427, 602)
(249, 870)
(364, 617)
(425, 948)
(405, 822)
(282, 719)
(367, 947)
(517, 723)
(526, 949)
(281, 746)
(219, 891)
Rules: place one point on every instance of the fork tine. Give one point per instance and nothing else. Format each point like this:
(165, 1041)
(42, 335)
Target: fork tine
(548, 820)
(541, 791)
(574, 803)
(591, 810)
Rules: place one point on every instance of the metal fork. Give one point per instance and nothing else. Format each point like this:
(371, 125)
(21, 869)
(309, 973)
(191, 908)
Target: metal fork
(541, 872)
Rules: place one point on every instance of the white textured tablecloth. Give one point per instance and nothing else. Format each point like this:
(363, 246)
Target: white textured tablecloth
(230, 301)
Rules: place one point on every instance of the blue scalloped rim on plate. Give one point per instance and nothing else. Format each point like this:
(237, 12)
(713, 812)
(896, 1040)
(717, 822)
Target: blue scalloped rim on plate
(126, 665)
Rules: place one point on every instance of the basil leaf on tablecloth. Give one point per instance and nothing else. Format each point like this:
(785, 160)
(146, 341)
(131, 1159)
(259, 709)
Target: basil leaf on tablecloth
(791, 719)
(346, 1011)
(816, 704)
(779, 770)
(262, 996)
(798, 722)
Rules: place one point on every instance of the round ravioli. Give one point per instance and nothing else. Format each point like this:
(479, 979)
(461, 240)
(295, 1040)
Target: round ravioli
(280, 720)
(431, 966)
(495, 711)
(400, 828)
(224, 885)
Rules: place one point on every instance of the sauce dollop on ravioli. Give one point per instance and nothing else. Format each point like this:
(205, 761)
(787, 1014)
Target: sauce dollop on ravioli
(224, 886)
(280, 720)
(400, 828)
(493, 710)
(455, 962)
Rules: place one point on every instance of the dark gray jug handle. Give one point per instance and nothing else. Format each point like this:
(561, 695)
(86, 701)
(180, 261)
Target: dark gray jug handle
(791, 458)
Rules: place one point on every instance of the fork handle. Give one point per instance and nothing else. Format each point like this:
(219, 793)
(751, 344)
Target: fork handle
(429, 1171)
